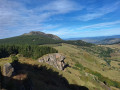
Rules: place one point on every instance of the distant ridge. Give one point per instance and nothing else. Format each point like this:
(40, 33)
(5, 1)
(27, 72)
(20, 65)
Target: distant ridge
(100, 39)
(109, 41)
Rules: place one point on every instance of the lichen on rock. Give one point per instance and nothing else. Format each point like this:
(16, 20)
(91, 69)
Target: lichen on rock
(7, 70)
(55, 59)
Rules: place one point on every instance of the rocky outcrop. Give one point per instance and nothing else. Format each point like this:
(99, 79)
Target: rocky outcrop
(55, 59)
(7, 70)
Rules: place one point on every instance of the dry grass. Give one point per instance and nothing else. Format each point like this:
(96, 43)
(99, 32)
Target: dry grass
(5, 60)
(75, 55)
(20, 77)
(88, 60)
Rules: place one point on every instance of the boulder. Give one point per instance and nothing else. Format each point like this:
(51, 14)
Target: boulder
(7, 70)
(55, 59)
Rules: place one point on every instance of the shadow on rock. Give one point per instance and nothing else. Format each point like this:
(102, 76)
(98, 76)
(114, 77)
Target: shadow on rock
(33, 77)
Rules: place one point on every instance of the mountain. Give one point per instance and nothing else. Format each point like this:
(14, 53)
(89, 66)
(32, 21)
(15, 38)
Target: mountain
(43, 34)
(100, 40)
(35, 38)
(40, 38)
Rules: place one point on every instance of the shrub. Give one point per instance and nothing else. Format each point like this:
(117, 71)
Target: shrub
(14, 58)
(80, 66)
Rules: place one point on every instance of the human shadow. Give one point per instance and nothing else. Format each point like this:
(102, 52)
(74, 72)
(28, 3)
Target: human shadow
(34, 77)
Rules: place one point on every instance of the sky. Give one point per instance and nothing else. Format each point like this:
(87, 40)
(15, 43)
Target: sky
(64, 18)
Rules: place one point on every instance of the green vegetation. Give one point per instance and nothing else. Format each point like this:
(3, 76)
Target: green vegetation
(26, 50)
(99, 50)
(108, 61)
(106, 52)
(79, 43)
(101, 78)
(104, 79)
(29, 39)
(14, 58)
(40, 40)
(80, 66)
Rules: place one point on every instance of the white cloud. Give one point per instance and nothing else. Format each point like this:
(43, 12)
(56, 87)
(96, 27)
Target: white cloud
(15, 15)
(70, 33)
(100, 32)
(99, 12)
(16, 18)
(89, 30)
(100, 25)
(61, 7)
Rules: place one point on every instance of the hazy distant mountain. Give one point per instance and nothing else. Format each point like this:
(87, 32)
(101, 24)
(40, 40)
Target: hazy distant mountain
(100, 40)
(109, 41)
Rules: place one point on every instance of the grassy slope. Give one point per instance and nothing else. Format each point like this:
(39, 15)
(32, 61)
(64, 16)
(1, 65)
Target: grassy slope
(72, 75)
(116, 54)
(115, 59)
(75, 55)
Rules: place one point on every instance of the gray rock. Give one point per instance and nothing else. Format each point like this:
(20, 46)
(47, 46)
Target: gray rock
(7, 70)
(55, 59)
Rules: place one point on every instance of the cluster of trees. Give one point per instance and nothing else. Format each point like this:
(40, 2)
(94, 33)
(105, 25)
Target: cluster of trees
(79, 43)
(32, 51)
(29, 39)
(100, 51)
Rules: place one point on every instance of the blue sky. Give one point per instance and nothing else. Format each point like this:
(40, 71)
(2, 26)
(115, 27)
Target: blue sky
(65, 18)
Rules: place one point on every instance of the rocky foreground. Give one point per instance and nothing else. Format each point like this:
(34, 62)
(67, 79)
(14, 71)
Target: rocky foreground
(38, 76)
(12, 74)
